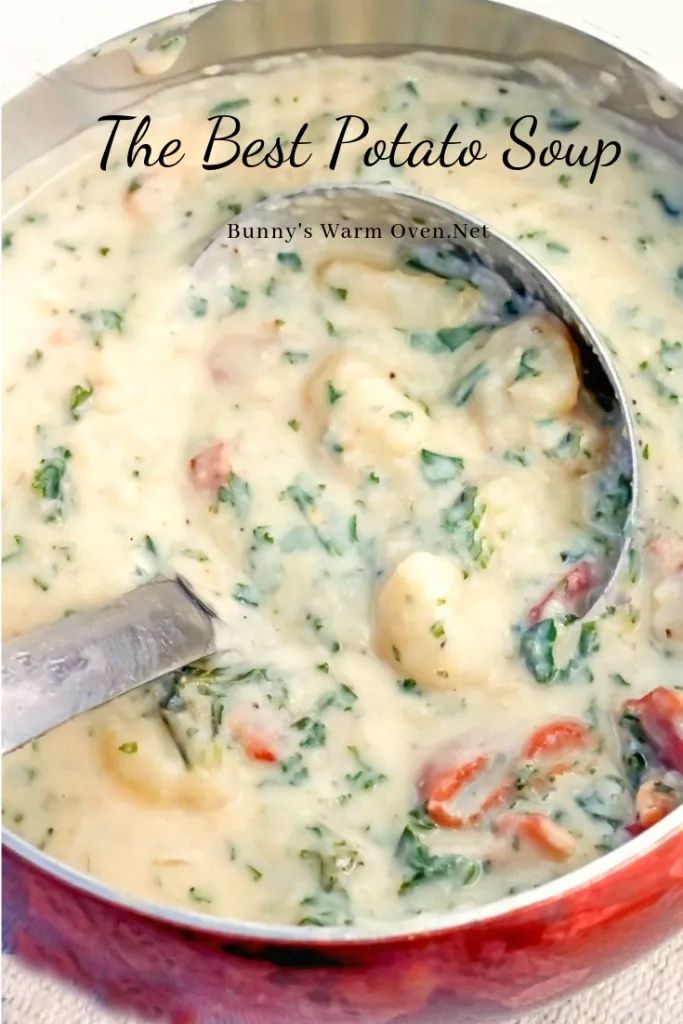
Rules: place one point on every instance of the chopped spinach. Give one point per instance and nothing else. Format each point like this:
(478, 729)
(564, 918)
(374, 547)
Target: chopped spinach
(343, 698)
(439, 469)
(333, 395)
(228, 106)
(464, 389)
(537, 648)
(613, 504)
(421, 865)
(314, 732)
(295, 357)
(99, 321)
(420, 820)
(294, 770)
(526, 367)
(332, 858)
(239, 297)
(290, 259)
(19, 547)
(568, 447)
(80, 394)
(326, 909)
(447, 339)
(560, 121)
(247, 594)
(199, 895)
(442, 262)
(305, 498)
(198, 305)
(461, 521)
(237, 493)
(673, 210)
(365, 777)
(605, 801)
(48, 482)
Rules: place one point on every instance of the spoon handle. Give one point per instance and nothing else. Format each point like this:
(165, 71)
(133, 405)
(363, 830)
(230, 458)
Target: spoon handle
(86, 659)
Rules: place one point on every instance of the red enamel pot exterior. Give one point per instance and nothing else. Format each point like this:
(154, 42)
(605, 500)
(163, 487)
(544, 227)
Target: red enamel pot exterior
(473, 966)
(465, 974)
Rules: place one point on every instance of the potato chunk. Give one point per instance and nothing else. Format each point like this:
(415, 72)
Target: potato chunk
(667, 611)
(430, 622)
(141, 757)
(546, 366)
(357, 408)
(409, 301)
(530, 363)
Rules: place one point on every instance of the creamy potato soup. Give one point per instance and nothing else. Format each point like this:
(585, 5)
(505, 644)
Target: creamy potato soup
(387, 480)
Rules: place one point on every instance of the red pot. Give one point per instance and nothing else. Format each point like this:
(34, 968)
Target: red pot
(470, 966)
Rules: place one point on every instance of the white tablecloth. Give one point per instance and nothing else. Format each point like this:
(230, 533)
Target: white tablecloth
(649, 993)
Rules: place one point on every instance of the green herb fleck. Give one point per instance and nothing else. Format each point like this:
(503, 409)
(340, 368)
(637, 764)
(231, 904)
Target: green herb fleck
(236, 492)
(238, 296)
(421, 865)
(247, 594)
(227, 106)
(333, 395)
(537, 649)
(439, 469)
(365, 777)
(198, 305)
(80, 394)
(294, 771)
(33, 358)
(290, 259)
(448, 339)
(101, 320)
(295, 357)
(48, 481)
(464, 389)
(198, 895)
(315, 733)
(526, 367)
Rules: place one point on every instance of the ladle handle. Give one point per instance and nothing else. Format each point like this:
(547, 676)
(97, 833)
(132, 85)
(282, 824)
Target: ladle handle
(59, 671)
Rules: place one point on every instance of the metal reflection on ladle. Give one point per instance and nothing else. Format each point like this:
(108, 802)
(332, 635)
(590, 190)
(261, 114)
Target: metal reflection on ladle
(450, 243)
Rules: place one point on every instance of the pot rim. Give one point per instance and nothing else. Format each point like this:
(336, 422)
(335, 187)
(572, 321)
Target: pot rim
(566, 19)
(385, 932)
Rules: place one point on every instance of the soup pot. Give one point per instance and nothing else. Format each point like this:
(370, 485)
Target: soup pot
(471, 965)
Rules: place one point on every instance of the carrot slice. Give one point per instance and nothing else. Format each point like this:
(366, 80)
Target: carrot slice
(209, 468)
(578, 582)
(256, 743)
(451, 781)
(653, 802)
(546, 835)
(661, 716)
(258, 750)
(562, 736)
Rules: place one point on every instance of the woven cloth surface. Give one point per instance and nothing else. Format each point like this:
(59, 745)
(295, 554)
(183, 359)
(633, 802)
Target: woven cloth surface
(651, 992)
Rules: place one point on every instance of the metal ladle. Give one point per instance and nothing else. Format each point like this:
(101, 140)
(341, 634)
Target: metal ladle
(55, 673)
